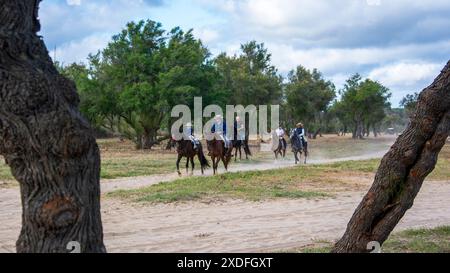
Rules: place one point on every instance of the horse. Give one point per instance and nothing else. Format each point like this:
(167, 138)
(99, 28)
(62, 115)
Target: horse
(185, 148)
(218, 152)
(298, 147)
(237, 146)
(278, 147)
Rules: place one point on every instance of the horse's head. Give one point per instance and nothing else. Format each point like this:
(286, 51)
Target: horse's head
(292, 134)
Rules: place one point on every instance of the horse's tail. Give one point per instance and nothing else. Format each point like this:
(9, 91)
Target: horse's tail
(247, 148)
(201, 156)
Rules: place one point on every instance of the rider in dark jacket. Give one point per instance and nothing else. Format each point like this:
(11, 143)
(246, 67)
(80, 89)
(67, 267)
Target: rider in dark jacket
(301, 133)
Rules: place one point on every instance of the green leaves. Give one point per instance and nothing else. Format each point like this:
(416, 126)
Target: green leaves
(308, 94)
(249, 78)
(363, 101)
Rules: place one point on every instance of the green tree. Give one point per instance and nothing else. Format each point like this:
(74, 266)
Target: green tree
(308, 97)
(409, 102)
(249, 78)
(363, 104)
(143, 72)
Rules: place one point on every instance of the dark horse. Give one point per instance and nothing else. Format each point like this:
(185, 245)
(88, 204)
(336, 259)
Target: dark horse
(217, 151)
(298, 147)
(185, 148)
(237, 145)
(278, 145)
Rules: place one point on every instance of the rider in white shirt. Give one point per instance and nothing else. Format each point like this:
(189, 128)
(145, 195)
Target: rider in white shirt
(280, 133)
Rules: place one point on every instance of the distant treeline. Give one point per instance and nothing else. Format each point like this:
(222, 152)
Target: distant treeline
(130, 87)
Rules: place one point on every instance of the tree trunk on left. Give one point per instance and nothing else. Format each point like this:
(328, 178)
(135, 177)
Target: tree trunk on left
(47, 143)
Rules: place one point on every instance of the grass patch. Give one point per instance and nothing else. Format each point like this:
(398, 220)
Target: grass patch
(5, 172)
(436, 240)
(254, 186)
(131, 167)
(302, 181)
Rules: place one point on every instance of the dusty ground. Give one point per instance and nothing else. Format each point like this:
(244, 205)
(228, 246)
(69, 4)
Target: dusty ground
(233, 225)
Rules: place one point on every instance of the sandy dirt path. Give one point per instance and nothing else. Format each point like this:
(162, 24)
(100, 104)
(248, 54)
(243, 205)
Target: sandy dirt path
(233, 225)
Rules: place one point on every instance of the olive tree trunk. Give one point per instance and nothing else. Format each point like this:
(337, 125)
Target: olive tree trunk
(47, 143)
(402, 170)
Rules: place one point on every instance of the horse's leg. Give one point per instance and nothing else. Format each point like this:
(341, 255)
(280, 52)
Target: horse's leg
(192, 165)
(187, 165)
(296, 157)
(240, 152)
(178, 164)
(225, 164)
(214, 164)
(217, 164)
(199, 159)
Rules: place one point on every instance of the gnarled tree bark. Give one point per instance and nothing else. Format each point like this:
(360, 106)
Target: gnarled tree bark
(47, 143)
(402, 170)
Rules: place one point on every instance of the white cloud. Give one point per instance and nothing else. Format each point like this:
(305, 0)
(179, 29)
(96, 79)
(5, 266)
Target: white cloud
(405, 74)
(78, 51)
(73, 2)
(337, 60)
(206, 35)
(349, 23)
(404, 78)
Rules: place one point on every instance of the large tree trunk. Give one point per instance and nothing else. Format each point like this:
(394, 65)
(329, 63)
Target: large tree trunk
(48, 145)
(402, 170)
(149, 139)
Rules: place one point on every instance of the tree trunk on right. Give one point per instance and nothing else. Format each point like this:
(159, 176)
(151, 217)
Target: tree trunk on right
(402, 170)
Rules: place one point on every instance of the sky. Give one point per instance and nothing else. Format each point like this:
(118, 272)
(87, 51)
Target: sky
(403, 44)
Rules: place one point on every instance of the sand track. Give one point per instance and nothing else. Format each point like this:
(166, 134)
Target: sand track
(231, 225)
(242, 226)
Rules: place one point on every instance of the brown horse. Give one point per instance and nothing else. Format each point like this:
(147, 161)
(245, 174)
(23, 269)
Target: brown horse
(218, 152)
(185, 148)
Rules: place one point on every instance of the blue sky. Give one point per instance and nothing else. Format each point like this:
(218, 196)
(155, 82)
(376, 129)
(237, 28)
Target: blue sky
(403, 44)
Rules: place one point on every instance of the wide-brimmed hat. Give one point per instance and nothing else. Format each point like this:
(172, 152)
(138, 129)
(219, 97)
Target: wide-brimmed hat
(218, 117)
(188, 124)
(299, 124)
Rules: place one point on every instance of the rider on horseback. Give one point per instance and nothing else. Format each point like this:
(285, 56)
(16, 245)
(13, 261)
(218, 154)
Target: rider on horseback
(280, 133)
(190, 135)
(301, 133)
(239, 130)
(220, 128)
